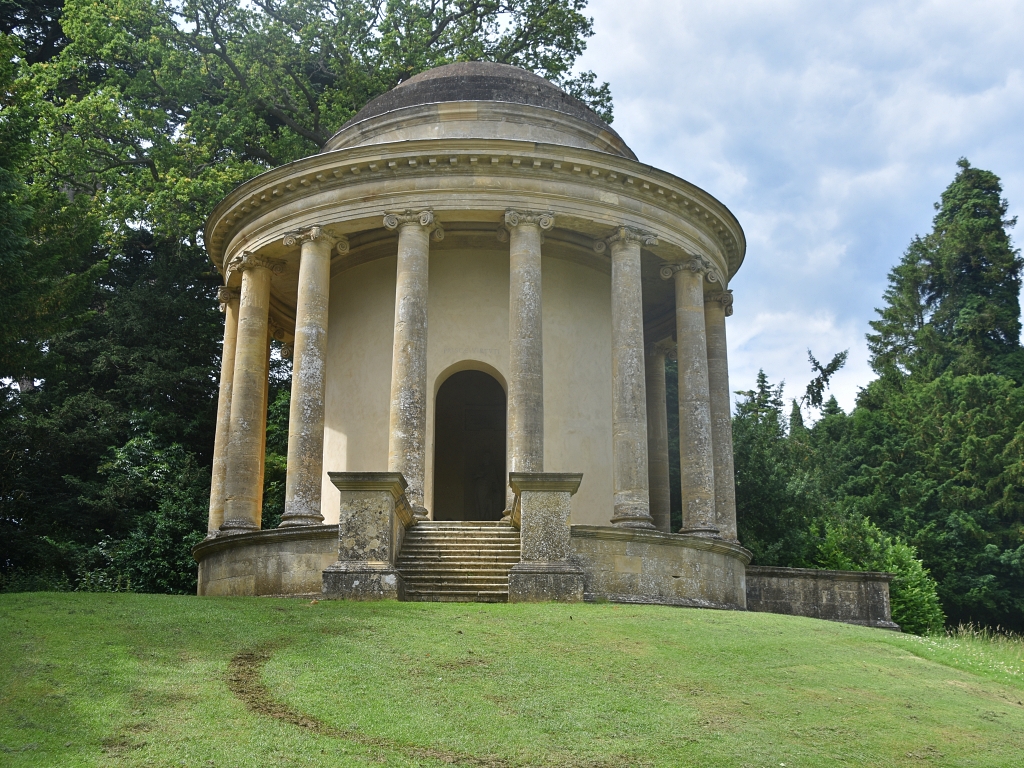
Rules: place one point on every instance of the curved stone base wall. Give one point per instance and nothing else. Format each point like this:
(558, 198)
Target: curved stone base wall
(281, 561)
(641, 566)
(852, 597)
(621, 565)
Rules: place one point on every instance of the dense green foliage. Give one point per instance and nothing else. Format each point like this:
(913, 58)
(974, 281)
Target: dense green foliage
(930, 464)
(122, 123)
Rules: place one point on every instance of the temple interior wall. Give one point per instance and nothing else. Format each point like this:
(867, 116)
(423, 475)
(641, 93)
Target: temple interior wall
(468, 328)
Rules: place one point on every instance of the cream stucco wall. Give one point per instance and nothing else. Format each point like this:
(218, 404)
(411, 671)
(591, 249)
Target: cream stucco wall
(360, 334)
(468, 329)
(578, 383)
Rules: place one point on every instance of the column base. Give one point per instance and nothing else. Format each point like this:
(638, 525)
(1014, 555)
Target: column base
(420, 515)
(293, 521)
(710, 533)
(545, 582)
(632, 515)
(362, 581)
(237, 526)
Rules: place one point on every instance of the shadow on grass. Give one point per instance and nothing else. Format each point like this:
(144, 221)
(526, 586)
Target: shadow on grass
(246, 682)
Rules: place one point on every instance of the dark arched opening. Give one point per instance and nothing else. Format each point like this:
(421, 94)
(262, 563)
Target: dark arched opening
(469, 448)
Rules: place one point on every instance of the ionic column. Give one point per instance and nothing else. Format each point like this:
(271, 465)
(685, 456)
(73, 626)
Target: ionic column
(717, 307)
(228, 298)
(657, 435)
(629, 399)
(526, 351)
(408, 419)
(243, 491)
(696, 459)
(309, 351)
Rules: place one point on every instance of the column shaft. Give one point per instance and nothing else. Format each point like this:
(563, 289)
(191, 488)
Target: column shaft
(657, 440)
(695, 445)
(263, 438)
(408, 418)
(629, 400)
(243, 491)
(229, 306)
(306, 411)
(526, 350)
(716, 308)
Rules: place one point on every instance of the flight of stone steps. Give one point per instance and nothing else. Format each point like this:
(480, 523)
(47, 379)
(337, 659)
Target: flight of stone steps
(461, 562)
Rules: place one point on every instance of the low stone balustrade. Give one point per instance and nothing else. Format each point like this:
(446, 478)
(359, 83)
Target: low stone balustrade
(374, 516)
(541, 512)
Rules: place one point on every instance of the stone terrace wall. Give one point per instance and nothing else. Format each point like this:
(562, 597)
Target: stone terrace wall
(631, 565)
(853, 597)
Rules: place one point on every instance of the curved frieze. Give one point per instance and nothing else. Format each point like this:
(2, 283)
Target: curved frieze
(589, 186)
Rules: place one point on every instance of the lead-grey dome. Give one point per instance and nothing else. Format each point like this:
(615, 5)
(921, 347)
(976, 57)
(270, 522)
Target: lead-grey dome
(480, 82)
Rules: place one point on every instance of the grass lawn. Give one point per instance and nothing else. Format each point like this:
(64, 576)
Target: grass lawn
(136, 680)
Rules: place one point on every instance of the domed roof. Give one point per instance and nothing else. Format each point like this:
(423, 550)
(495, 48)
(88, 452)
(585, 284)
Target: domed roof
(478, 81)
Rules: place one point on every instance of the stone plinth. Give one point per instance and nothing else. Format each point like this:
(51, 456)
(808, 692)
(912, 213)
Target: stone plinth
(651, 567)
(283, 561)
(853, 597)
(373, 517)
(542, 509)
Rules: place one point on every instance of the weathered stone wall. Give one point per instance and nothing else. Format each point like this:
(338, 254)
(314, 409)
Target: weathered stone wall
(645, 566)
(283, 561)
(854, 597)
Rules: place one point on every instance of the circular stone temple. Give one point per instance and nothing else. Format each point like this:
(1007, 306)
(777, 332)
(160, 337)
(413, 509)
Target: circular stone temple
(479, 285)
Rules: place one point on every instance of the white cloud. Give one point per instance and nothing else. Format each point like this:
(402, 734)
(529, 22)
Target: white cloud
(829, 129)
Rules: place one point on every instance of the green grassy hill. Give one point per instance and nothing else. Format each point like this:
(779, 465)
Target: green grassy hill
(144, 680)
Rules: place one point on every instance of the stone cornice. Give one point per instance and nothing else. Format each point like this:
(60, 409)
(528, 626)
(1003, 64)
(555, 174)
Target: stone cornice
(545, 481)
(689, 541)
(355, 166)
(298, 533)
(814, 573)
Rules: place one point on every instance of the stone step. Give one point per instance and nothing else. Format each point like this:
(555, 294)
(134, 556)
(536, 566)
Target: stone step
(458, 561)
(440, 536)
(463, 524)
(429, 563)
(458, 596)
(454, 573)
(455, 549)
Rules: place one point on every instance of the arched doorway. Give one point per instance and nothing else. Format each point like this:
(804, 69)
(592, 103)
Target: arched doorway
(469, 448)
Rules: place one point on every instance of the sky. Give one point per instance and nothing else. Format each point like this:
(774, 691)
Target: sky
(829, 129)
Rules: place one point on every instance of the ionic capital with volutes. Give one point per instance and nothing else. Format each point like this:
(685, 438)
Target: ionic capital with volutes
(226, 295)
(722, 297)
(626, 234)
(666, 347)
(246, 260)
(695, 263)
(423, 218)
(544, 220)
(277, 331)
(313, 234)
